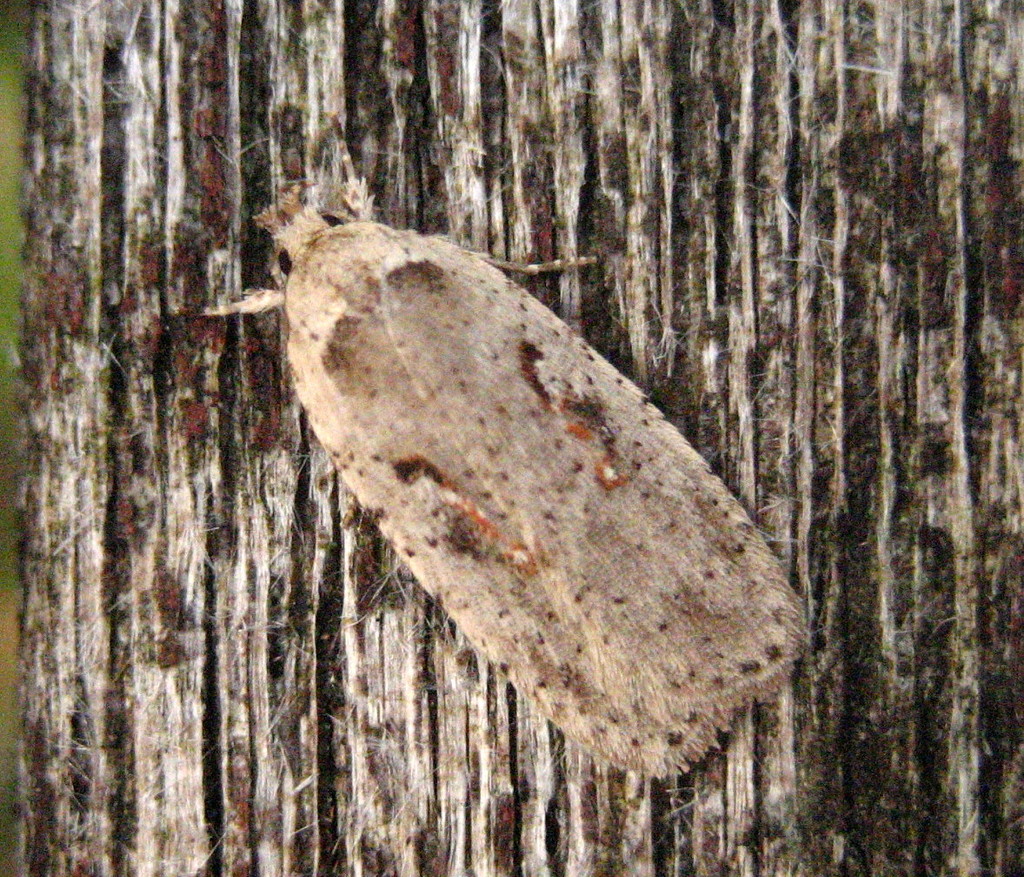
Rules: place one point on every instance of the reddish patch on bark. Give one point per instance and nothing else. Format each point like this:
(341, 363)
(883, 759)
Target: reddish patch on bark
(505, 832)
(262, 393)
(64, 300)
(405, 37)
(447, 65)
(543, 226)
(167, 594)
(169, 651)
(195, 418)
(211, 110)
(266, 431)
(125, 516)
(207, 333)
(936, 312)
(1003, 253)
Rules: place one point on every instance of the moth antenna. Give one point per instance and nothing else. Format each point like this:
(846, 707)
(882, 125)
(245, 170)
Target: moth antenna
(356, 199)
(284, 210)
(534, 268)
(350, 199)
(258, 301)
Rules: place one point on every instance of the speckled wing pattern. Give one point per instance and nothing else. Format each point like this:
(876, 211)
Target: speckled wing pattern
(573, 534)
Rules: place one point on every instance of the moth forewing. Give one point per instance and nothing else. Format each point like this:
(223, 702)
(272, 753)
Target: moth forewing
(572, 532)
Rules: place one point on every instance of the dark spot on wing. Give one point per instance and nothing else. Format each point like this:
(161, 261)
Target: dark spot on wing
(529, 356)
(337, 355)
(411, 468)
(421, 274)
(589, 411)
(575, 682)
(464, 539)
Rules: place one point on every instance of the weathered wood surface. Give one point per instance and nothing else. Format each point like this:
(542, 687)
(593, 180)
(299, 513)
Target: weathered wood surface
(809, 223)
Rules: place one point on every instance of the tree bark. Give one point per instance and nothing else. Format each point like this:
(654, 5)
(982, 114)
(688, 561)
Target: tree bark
(809, 227)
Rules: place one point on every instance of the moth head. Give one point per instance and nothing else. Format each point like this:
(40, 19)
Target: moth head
(294, 224)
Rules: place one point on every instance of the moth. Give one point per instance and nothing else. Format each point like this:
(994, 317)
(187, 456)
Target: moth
(572, 533)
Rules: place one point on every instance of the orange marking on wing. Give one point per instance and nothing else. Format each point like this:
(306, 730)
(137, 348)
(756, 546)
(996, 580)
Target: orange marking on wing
(578, 430)
(516, 554)
(607, 475)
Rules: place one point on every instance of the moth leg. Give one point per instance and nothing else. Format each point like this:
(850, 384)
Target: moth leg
(540, 267)
(256, 302)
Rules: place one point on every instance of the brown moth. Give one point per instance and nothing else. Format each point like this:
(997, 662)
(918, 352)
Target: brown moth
(573, 534)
